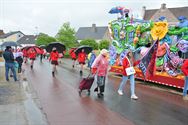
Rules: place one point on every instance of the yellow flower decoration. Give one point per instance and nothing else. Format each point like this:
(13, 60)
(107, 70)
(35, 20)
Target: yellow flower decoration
(159, 30)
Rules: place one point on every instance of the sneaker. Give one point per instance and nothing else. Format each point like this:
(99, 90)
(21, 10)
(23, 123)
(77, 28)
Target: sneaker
(134, 97)
(120, 92)
(185, 98)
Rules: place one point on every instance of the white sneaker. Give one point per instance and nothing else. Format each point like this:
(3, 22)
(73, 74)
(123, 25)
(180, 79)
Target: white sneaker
(120, 92)
(134, 97)
(185, 98)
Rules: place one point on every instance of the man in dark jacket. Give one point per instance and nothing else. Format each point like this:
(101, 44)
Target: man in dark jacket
(9, 63)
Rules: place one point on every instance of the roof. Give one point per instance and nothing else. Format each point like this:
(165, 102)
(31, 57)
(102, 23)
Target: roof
(180, 11)
(1, 32)
(27, 39)
(149, 13)
(9, 34)
(90, 33)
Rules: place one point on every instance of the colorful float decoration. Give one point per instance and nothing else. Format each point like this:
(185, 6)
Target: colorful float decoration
(137, 35)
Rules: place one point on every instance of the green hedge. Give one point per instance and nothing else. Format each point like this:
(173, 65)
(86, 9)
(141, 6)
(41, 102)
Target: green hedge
(67, 55)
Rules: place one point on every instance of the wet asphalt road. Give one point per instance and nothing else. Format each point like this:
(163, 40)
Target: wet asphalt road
(63, 106)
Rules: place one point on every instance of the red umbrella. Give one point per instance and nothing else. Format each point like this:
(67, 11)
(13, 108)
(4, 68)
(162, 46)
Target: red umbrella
(37, 49)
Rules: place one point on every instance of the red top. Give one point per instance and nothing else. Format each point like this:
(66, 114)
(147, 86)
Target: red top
(81, 57)
(73, 55)
(32, 54)
(42, 51)
(184, 67)
(54, 56)
(25, 54)
(126, 64)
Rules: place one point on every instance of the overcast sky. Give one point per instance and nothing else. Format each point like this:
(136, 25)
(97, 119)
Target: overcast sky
(49, 15)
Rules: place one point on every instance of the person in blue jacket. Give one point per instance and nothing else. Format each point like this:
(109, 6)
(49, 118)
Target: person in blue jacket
(91, 59)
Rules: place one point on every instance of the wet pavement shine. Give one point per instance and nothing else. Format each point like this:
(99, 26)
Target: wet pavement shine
(62, 104)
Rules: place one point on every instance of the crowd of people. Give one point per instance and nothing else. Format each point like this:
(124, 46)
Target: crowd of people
(98, 66)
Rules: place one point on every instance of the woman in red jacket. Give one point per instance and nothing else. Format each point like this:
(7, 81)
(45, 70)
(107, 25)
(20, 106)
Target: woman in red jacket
(25, 55)
(81, 60)
(73, 56)
(184, 69)
(32, 56)
(128, 63)
(54, 55)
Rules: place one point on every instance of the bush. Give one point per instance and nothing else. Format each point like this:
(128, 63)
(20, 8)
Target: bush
(104, 44)
(67, 55)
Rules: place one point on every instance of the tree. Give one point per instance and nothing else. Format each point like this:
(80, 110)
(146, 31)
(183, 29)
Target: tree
(44, 39)
(66, 35)
(104, 44)
(90, 42)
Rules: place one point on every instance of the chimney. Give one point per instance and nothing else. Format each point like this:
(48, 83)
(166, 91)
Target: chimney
(143, 12)
(94, 28)
(163, 6)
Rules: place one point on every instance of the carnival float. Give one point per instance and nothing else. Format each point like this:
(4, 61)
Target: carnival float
(140, 36)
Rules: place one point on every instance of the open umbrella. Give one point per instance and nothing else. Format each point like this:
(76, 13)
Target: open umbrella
(118, 9)
(35, 48)
(59, 46)
(42, 46)
(87, 49)
(10, 43)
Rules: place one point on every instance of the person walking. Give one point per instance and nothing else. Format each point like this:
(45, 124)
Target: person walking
(54, 55)
(32, 56)
(91, 59)
(99, 68)
(9, 63)
(25, 55)
(19, 59)
(81, 60)
(41, 55)
(73, 56)
(184, 69)
(127, 62)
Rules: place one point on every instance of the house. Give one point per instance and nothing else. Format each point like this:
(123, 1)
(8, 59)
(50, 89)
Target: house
(11, 36)
(94, 32)
(27, 40)
(171, 14)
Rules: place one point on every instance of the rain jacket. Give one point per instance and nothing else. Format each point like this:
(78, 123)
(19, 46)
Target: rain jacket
(25, 54)
(8, 56)
(54, 56)
(81, 57)
(126, 64)
(73, 55)
(100, 66)
(184, 67)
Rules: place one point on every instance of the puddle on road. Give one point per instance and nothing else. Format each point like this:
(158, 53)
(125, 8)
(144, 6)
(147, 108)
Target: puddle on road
(34, 114)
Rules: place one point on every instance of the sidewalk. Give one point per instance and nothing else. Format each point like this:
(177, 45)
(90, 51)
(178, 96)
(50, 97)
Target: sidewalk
(19, 104)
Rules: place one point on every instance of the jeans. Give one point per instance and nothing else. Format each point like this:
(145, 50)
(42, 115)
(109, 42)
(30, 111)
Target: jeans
(185, 86)
(124, 81)
(7, 67)
(101, 83)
